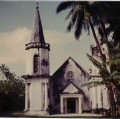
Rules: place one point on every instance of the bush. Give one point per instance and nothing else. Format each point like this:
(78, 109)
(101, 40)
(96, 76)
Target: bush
(11, 91)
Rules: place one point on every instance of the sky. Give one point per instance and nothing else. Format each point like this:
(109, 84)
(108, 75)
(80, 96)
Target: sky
(16, 23)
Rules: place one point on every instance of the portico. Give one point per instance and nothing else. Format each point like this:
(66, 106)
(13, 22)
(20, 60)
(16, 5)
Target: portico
(71, 103)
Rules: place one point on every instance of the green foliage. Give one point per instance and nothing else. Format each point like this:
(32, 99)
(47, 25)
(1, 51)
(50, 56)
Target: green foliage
(93, 83)
(78, 14)
(105, 17)
(110, 73)
(82, 16)
(11, 90)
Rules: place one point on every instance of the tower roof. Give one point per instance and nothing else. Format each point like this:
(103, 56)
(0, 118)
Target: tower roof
(37, 35)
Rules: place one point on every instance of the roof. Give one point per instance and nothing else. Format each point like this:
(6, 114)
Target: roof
(37, 35)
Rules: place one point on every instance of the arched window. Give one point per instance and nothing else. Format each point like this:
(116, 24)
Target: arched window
(36, 63)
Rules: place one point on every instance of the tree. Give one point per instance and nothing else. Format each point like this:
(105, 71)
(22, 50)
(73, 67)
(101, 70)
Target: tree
(11, 90)
(84, 15)
(111, 76)
(82, 18)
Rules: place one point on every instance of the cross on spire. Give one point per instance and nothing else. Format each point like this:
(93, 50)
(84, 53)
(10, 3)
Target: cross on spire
(37, 5)
(37, 35)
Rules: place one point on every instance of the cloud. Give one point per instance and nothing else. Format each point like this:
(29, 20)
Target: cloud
(63, 45)
(12, 45)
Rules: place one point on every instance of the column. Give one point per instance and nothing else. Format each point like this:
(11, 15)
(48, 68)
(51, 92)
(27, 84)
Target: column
(99, 97)
(65, 107)
(46, 96)
(26, 97)
(76, 104)
(40, 96)
(94, 98)
(61, 104)
(80, 105)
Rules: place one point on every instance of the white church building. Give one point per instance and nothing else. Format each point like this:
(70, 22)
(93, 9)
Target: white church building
(65, 91)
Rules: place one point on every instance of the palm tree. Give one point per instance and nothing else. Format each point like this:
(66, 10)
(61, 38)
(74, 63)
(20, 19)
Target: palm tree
(114, 20)
(82, 18)
(110, 76)
(84, 15)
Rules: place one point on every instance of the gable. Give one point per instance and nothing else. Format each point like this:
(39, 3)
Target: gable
(70, 65)
(69, 78)
(70, 89)
(70, 71)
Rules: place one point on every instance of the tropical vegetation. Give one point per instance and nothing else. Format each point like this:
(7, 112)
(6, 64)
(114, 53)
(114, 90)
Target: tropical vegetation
(104, 18)
(12, 90)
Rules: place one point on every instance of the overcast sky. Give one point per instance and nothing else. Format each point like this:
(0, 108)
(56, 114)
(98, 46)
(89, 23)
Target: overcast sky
(16, 23)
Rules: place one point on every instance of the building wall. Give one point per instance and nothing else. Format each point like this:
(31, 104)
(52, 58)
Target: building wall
(43, 61)
(37, 94)
(98, 94)
(60, 79)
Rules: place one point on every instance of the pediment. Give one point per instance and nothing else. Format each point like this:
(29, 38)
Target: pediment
(71, 88)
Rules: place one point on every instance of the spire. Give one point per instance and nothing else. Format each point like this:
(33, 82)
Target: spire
(38, 35)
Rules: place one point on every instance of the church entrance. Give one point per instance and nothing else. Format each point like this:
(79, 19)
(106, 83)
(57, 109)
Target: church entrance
(71, 105)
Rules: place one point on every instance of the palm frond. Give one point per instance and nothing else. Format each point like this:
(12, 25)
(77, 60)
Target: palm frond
(6, 72)
(78, 25)
(95, 62)
(93, 83)
(104, 72)
(114, 62)
(65, 5)
(72, 22)
(86, 16)
(74, 17)
(69, 14)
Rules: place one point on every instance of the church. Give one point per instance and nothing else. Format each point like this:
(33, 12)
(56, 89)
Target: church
(66, 90)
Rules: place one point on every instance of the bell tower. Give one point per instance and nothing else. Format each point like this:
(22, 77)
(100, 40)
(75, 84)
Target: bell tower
(37, 71)
(98, 93)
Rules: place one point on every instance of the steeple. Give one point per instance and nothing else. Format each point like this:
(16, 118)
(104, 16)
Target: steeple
(37, 35)
(37, 39)
(37, 71)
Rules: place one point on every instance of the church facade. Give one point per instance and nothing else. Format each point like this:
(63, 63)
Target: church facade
(66, 90)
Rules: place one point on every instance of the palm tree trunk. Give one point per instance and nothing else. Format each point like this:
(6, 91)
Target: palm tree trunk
(96, 39)
(112, 100)
(102, 27)
(111, 90)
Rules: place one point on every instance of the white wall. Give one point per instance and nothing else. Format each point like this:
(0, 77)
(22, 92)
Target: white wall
(44, 54)
(29, 60)
(70, 89)
(79, 79)
(37, 94)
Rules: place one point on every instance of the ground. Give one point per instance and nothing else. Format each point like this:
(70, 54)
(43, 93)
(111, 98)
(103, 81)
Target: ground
(21, 114)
